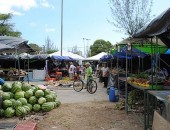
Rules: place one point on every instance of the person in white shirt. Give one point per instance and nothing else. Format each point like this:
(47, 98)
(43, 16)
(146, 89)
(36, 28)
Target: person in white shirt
(105, 74)
(71, 70)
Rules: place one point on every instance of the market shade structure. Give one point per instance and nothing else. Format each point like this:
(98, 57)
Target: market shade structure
(106, 57)
(10, 44)
(70, 54)
(96, 57)
(168, 51)
(160, 26)
(62, 58)
(145, 45)
(133, 52)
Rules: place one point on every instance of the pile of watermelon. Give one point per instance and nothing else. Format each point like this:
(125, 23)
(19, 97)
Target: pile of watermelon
(19, 99)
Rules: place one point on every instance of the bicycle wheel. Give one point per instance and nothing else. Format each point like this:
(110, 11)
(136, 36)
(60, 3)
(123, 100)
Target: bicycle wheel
(92, 87)
(78, 85)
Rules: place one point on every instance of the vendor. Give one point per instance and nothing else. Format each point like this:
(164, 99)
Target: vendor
(105, 74)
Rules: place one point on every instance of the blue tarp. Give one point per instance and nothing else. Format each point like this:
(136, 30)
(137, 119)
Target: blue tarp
(133, 52)
(168, 51)
(121, 55)
(62, 58)
(106, 57)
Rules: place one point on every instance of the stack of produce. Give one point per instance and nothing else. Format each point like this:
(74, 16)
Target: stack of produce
(139, 79)
(21, 98)
(65, 81)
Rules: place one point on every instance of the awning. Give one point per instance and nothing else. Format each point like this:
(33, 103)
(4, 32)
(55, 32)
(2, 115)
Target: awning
(133, 52)
(160, 26)
(66, 58)
(10, 44)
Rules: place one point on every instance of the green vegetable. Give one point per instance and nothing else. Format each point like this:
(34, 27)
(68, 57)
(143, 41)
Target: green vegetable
(41, 100)
(16, 87)
(39, 93)
(36, 107)
(32, 100)
(9, 112)
(7, 103)
(26, 86)
(48, 106)
(6, 87)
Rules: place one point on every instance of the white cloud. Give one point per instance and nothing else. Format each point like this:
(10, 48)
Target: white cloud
(45, 3)
(7, 6)
(50, 29)
(11, 6)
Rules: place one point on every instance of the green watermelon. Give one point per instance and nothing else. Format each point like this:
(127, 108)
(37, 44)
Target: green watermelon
(6, 95)
(16, 87)
(22, 100)
(41, 100)
(19, 94)
(1, 92)
(28, 93)
(2, 112)
(6, 87)
(17, 103)
(49, 98)
(47, 92)
(34, 88)
(32, 100)
(7, 103)
(21, 111)
(39, 93)
(9, 112)
(48, 106)
(58, 103)
(13, 101)
(29, 105)
(26, 86)
(11, 94)
(27, 108)
(36, 107)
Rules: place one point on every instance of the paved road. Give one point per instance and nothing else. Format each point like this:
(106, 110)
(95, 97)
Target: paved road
(68, 95)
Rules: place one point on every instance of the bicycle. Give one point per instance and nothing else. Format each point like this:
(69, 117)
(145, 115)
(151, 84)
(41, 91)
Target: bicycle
(79, 84)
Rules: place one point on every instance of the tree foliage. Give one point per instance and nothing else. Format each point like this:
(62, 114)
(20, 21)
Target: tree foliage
(6, 28)
(130, 15)
(100, 46)
(35, 47)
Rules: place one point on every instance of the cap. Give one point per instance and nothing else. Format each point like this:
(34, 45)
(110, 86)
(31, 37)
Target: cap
(87, 63)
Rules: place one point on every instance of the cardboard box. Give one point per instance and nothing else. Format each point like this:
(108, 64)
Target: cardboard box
(159, 123)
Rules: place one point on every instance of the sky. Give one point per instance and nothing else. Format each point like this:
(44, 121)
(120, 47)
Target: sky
(82, 19)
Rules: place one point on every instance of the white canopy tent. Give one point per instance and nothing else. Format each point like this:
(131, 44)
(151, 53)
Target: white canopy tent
(95, 57)
(70, 54)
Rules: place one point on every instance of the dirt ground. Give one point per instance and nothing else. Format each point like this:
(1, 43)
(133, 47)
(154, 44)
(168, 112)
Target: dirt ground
(82, 111)
(98, 115)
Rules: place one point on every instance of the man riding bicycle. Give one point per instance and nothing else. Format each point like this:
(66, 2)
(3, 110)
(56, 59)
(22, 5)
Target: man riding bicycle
(88, 71)
(89, 83)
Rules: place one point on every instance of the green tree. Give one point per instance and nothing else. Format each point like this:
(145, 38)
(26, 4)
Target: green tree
(100, 46)
(130, 15)
(51, 51)
(35, 47)
(7, 28)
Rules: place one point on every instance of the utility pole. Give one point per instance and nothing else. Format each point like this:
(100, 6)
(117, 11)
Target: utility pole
(84, 47)
(61, 27)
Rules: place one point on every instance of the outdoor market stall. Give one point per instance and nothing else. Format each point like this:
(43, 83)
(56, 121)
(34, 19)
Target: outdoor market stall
(158, 27)
(14, 45)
